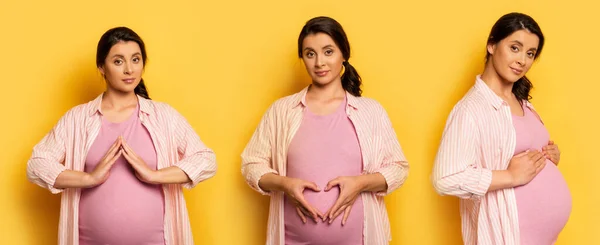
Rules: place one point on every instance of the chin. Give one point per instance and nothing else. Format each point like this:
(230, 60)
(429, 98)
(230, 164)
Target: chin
(322, 81)
(512, 78)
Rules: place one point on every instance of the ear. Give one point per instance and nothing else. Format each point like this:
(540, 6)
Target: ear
(491, 48)
(101, 70)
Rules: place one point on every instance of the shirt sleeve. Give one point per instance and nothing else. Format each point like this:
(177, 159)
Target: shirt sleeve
(455, 170)
(256, 157)
(48, 156)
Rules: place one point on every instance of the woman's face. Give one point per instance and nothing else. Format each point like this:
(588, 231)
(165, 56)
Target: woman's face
(513, 56)
(322, 58)
(123, 66)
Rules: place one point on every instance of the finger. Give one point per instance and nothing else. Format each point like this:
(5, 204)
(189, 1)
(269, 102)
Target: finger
(112, 161)
(332, 183)
(128, 149)
(302, 217)
(553, 150)
(304, 203)
(539, 162)
(540, 167)
(554, 154)
(522, 154)
(128, 157)
(112, 150)
(311, 185)
(338, 212)
(537, 156)
(305, 211)
(555, 157)
(346, 214)
(334, 209)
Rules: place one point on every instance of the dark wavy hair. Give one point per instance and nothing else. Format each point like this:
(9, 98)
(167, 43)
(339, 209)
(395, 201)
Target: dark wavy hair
(504, 27)
(114, 36)
(351, 81)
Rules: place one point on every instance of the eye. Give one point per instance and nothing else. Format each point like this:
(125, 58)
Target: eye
(329, 52)
(310, 54)
(136, 59)
(531, 54)
(514, 48)
(118, 62)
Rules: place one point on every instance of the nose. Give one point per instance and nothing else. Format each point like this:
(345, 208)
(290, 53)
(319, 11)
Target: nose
(128, 68)
(319, 61)
(522, 59)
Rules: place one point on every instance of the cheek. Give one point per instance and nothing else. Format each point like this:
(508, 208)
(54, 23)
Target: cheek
(528, 66)
(111, 71)
(139, 67)
(308, 63)
(337, 65)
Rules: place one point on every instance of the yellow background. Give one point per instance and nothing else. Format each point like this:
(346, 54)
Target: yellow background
(222, 63)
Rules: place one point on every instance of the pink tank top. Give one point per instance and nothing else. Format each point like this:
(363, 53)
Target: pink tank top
(544, 204)
(324, 148)
(122, 210)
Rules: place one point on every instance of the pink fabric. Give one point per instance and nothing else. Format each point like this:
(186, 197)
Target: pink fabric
(479, 138)
(66, 146)
(544, 204)
(267, 152)
(122, 210)
(324, 148)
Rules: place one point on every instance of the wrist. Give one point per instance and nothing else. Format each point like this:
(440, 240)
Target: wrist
(153, 177)
(363, 182)
(512, 180)
(88, 181)
(280, 182)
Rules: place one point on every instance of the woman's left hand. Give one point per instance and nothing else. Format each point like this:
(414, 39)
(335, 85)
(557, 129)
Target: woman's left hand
(142, 171)
(552, 152)
(350, 188)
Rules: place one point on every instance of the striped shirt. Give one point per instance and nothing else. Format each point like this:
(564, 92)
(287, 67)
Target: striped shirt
(479, 137)
(381, 153)
(67, 144)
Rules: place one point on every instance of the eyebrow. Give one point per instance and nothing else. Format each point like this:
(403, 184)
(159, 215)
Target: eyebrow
(521, 44)
(324, 47)
(121, 56)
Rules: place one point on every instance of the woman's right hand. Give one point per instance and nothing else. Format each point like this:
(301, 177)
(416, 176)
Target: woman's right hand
(524, 166)
(294, 189)
(102, 170)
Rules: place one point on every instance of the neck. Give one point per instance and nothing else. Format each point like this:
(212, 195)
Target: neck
(117, 100)
(499, 85)
(328, 91)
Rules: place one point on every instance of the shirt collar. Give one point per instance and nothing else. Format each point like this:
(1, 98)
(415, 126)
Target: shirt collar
(300, 99)
(96, 105)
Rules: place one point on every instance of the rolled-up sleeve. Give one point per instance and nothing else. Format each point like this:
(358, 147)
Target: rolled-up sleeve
(455, 170)
(196, 160)
(257, 156)
(48, 156)
(394, 167)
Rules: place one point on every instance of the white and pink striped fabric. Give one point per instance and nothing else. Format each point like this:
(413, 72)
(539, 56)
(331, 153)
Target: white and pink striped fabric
(267, 153)
(479, 137)
(176, 143)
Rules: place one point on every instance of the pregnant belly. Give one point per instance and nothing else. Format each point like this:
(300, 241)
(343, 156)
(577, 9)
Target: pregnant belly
(544, 206)
(321, 232)
(132, 215)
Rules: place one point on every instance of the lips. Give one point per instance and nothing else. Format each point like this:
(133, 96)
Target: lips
(128, 80)
(321, 73)
(516, 71)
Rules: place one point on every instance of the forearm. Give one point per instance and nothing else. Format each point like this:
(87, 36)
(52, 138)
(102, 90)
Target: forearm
(373, 182)
(73, 179)
(501, 179)
(170, 175)
(271, 182)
